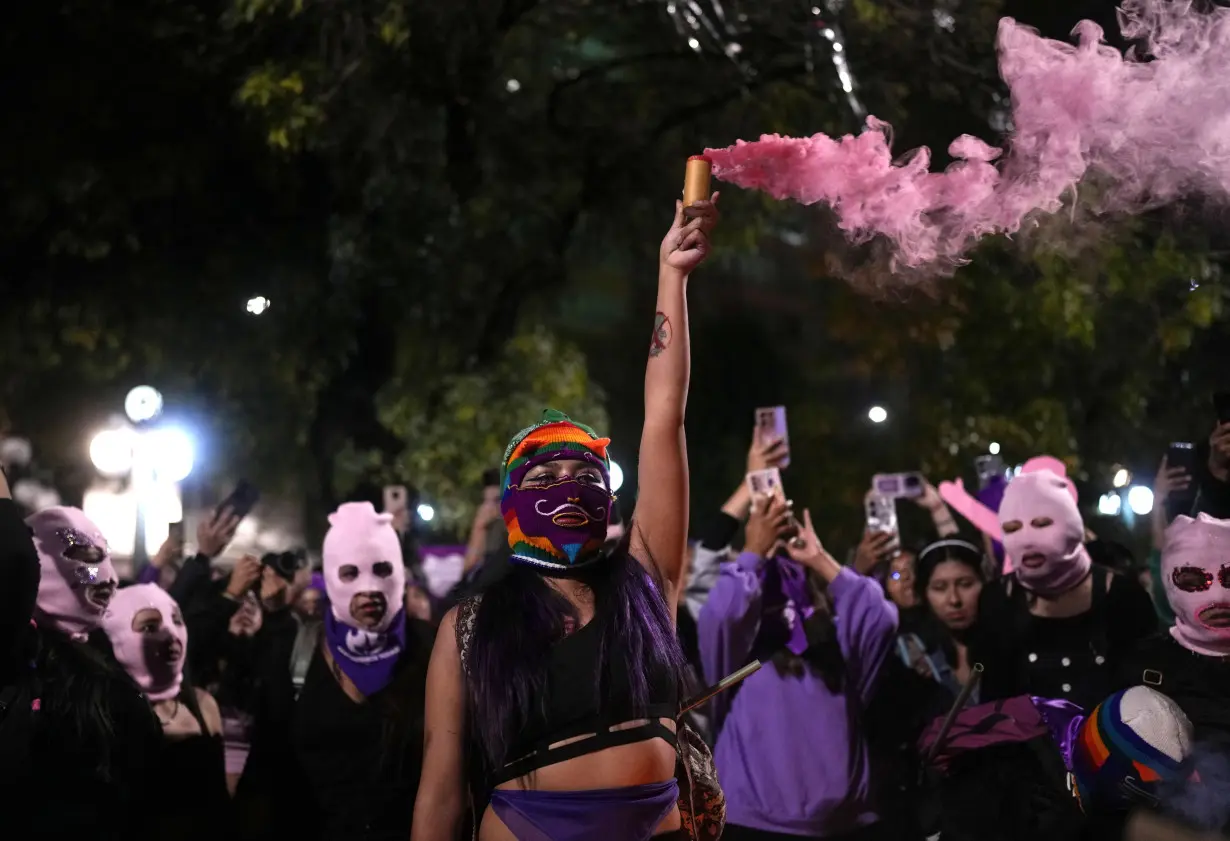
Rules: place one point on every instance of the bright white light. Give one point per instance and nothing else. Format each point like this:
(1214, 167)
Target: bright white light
(994, 448)
(512, 86)
(830, 34)
(837, 47)
(258, 305)
(143, 403)
(111, 451)
(617, 477)
(1122, 478)
(877, 414)
(426, 513)
(1110, 505)
(694, 44)
(1140, 500)
(115, 514)
(815, 10)
(170, 452)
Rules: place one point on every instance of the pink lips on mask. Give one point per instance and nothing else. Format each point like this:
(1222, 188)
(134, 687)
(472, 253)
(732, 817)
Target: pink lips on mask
(1215, 616)
(1033, 560)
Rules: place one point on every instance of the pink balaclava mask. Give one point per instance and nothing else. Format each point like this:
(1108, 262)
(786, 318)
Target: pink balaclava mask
(1044, 533)
(77, 577)
(1196, 573)
(153, 651)
(362, 554)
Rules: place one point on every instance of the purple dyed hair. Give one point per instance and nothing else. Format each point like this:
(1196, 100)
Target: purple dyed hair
(521, 618)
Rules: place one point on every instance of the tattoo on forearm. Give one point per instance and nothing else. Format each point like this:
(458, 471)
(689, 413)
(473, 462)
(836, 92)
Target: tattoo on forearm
(661, 335)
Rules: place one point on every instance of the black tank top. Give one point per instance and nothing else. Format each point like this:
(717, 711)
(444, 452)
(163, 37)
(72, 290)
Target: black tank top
(363, 772)
(578, 701)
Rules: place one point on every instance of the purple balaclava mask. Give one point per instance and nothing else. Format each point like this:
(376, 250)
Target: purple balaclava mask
(78, 579)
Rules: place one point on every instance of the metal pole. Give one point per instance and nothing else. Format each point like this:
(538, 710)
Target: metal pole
(962, 699)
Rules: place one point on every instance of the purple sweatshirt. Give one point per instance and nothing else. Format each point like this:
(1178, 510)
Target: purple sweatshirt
(790, 755)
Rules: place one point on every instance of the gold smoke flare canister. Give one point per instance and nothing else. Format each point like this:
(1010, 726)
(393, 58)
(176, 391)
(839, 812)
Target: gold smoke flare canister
(696, 180)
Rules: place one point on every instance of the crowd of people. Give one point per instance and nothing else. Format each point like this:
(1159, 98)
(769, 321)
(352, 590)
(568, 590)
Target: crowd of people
(993, 685)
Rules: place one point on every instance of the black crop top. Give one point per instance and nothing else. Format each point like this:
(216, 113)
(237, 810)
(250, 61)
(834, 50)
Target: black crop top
(572, 706)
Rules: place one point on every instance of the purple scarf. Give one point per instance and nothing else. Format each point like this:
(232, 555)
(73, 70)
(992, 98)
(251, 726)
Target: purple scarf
(368, 659)
(788, 600)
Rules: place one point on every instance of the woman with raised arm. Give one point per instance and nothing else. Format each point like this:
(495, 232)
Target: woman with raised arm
(565, 674)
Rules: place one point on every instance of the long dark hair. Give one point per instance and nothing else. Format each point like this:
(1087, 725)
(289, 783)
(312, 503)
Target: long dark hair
(823, 656)
(521, 617)
(83, 681)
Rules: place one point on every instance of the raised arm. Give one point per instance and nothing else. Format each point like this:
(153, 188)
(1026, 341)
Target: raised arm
(660, 521)
(866, 621)
(440, 804)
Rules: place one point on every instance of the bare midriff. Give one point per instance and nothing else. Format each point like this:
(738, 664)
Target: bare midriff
(622, 766)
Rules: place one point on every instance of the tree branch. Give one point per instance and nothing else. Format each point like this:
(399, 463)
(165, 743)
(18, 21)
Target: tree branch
(560, 88)
(718, 101)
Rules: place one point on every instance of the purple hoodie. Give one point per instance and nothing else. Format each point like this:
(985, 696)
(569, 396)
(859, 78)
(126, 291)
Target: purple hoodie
(790, 754)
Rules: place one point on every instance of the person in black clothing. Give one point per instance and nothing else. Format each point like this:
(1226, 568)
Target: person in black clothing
(77, 737)
(188, 797)
(358, 722)
(1191, 662)
(1057, 625)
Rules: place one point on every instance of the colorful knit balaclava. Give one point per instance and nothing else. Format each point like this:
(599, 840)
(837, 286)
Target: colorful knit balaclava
(560, 525)
(1044, 533)
(1133, 743)
(152, 653)
(1196, 574)
(78, 579)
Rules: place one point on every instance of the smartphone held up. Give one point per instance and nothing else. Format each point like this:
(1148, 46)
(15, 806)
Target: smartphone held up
(1221, 405)
(768, 482)
(881, 513)
(898, 485)
(241, 501)
(771, 426)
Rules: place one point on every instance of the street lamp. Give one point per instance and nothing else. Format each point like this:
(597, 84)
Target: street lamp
(617, 476)
(143, 404)
(154, 458)
(1110, 505)
(1140, 500)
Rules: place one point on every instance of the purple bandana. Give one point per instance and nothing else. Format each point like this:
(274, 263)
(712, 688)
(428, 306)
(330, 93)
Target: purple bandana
(368, 658)
(787, 595)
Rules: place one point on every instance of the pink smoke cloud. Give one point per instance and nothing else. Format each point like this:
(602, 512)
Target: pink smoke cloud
(1155, 129)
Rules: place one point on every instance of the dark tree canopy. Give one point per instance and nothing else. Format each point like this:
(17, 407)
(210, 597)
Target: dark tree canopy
(454, 209)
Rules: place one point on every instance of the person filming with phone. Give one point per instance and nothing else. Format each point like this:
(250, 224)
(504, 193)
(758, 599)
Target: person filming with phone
(791, 757)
